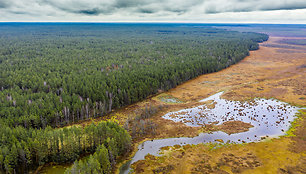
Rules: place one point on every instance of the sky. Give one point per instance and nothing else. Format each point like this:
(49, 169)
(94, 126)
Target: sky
(200, 11)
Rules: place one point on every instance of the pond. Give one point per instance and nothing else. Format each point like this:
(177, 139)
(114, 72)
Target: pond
(169, 99)
(270, 118)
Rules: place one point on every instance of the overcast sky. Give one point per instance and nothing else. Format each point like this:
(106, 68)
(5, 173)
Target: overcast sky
(206, 11)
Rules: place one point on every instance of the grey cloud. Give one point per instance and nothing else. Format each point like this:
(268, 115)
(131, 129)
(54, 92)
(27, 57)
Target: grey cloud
(4, 4)
(140, 9)
(287, 7)
(129, 3)
(90, 12)
(213, 10)
(93, 11)
(95, 7)
(20, 12)
(221, 6)
(79, 7)
(177, 10)
(146, 11)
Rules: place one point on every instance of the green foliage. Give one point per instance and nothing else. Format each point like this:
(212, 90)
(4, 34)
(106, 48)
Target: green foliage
(99, 162)
(57, 74)
(291, 131)
(41, 146)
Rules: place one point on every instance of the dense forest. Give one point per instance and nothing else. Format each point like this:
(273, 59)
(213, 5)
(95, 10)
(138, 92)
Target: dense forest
(22, 149)
(54, 74)
(99, 162)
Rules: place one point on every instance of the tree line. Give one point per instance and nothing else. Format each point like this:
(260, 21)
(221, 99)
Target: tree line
(99, 162)
(22, 149)
(60, 76)
(52, 75)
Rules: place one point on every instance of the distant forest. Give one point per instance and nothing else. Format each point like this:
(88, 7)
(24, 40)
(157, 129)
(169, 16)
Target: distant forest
(54, 74)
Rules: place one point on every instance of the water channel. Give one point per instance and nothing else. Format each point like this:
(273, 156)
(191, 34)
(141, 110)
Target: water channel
(270, 118)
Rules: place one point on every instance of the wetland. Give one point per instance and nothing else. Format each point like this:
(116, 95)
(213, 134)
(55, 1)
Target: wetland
(267, 117)
(266, 89)
(254, 126)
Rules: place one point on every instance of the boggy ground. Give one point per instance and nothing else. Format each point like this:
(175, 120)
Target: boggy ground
(267, 72)
(270, 72)
(284, 155)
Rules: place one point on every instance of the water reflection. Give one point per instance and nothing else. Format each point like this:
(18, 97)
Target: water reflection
(269, 117)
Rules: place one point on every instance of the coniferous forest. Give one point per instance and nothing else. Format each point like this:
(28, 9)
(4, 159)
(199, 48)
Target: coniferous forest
(54, 74)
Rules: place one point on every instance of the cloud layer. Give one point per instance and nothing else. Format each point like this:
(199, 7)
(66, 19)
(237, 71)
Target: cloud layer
(152, 10)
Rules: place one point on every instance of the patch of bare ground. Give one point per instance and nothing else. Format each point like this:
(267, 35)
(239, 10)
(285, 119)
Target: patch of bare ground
(229, 127)
(232, 127)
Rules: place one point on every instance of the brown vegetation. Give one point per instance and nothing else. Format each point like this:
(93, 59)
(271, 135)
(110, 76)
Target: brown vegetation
(231, 127)
(268, 72)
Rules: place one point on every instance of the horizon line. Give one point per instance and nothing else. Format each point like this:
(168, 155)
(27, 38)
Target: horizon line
(152, 22)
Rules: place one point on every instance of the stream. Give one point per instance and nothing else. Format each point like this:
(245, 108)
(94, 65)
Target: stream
(270, 118)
